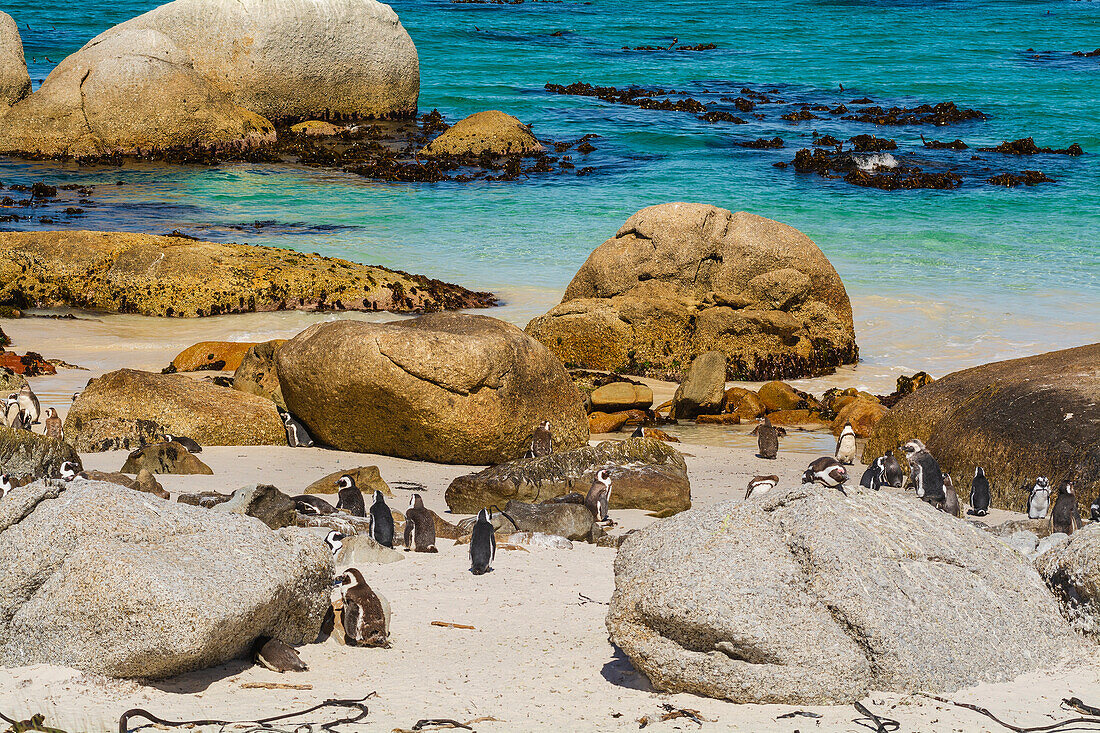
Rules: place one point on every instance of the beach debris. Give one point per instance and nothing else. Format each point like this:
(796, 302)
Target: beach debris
(798, 714)
(353, 705)
(450, 625)
(874, 722)
(275, 686)
(1073, 703)
(427, 723)
(36, 722)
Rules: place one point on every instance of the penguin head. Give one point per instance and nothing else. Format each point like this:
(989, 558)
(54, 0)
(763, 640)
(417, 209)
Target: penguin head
(546, 425)
(415, 502)
(979, 471)
(68, 471)
(604, 477)
(379, 497)
(350, 578)
(345, 482)
(483, 515)
(1042, 484)
(169, 438)
(847, 429)
(5, 483)
(50, 413)
(913, 446)
(1067, 488)
(76, 396)
(947, 482)
(838, 474)
(335, 541)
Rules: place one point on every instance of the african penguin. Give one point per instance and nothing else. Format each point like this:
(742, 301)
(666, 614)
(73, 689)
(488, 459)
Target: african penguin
(895, 476)
(846, 445)
(1065, 517)
(826, 471)
(483, 544)
(1094, 510)
(875, 475)
(76, 396)
(13, 416)
(296, 435)
(639, 432)
(767, 437)
(191, 445)
(5, 484)
(924, 473)
(598, 499)
(350, 498)
(979, 493)
(28, 403)
(542, 442)
(950, 498)
(761, 485)
(419, 526)
(68, 471)
(381, 521)
(1038, 500)
(312, 505)
(278, 656)
(335, 542)
(363, 615)
(54, 427)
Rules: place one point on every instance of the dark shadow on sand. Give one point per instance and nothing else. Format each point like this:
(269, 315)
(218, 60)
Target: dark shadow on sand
(621, 673)
(198, 681)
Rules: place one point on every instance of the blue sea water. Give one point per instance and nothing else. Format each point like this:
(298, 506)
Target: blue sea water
(938, 279)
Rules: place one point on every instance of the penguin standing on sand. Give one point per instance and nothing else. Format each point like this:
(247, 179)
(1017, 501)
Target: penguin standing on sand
(542, 442)
(767, 437)
(979, 493)
(761, 485)
(1065, 517)
(54, 427)
(28, 403)
(950, 498)
(846, 445)
(826, 471)
(278, 656)
(296, 435)
(350, 498)
(924, 473)
(381, 521)
(191, 445)
(363, 616)
(875, 475)
(598, 499)
(483, 544)
(419, 527)
(1038, 500)
(335, 542)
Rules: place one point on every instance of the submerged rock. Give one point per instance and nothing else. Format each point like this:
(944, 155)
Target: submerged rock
(176, 277)
(810, 597)
(97, 580)
(645, 474)
(490, 132)
(443, 387)
(678, 280)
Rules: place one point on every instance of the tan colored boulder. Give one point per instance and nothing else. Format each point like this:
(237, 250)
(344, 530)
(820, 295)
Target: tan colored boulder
(656, 434)
(122, 272)
(10, 381)
(15, 82)
(443, 387)
(1018, 419)
(744, 402)
(485, 132)
(602, 422)
(862, 414)
(180, 405)
(219, 356)
(621, 396)
(145, 481)
(256, 373)
(779, 396)
(703, 389)
(170, 458)
(681, 279)
(718, 419)
(316, 128)
(367, 478)
(797, 418)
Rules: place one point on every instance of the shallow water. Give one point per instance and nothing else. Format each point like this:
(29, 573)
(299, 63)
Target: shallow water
(939, 279)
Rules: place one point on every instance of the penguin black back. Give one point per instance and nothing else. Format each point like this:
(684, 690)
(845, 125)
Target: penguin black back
(296, 434)
(350, 498)
(1065, 517)
(419, 526)
(381, 521)
(190, 445)
(483, 544)
(894, 475)
(979, 493)
(277, 656)
(767, 438)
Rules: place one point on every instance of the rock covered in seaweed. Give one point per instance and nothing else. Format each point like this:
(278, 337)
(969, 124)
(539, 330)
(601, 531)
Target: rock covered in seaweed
(491, 132)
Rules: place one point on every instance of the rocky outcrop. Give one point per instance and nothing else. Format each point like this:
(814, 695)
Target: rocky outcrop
(10, 381)
(256, 373)
(446, 388)
(1018, 419)
(144, 481)
(117, 433)
(810, 597)
(1073, 572)
(23, 453)
(703, 389)
(645, 474)
(619, 396)
(15, 82)
(179, 405)
(165, 458)
(679, 279)
(218, 356)
(490, 132)
(178, 277)
(292, 59)
(96, 580)
(571, 521)
(863, 415)
(367, 478)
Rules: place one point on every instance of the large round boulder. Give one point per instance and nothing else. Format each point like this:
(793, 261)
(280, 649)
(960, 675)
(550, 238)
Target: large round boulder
(485, 132)
(681, 279)
(24, 453)
(294, 59)
(122, 404)
(1017, 419)
(809, 597)
(96, 578)
(443, 387)
(15, 82)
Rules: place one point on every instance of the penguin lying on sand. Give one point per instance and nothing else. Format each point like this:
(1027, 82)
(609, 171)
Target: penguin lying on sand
(826, 471)
(760, 485)
(312, 505)
(278, 656)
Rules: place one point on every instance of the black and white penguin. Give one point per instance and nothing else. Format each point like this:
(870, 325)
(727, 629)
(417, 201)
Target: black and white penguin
(1094, 510)
(364, 618)
(542, 442)
(639, 432)
(296, 434)
(335, 542)
(68, 471)
(76, 396)
(979, 493)
(13, 415)
(381, 520)
(350, 498)
(5, 484)
(191, 445)
(1065, 517)
(826, 471)
(278, 656)
(419, 526)
(312, 505)
(598, 499)
(894, 475)
(761, 485)
(875, 475)
(950, 498)
(846, 445)
(28, 403)
(924, 473)
(767, 437)
(483, 544)
(54, 428)
(1038, 500)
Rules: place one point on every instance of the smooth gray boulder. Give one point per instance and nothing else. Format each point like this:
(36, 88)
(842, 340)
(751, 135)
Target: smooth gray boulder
(571, 521)
(810, 597)
(265, 502)
(703, 388)
(15, 82)
(23, 453)
(99, 578)
(1072, 570)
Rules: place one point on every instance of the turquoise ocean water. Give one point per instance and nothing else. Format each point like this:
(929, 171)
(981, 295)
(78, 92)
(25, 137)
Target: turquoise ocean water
(938, 279)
